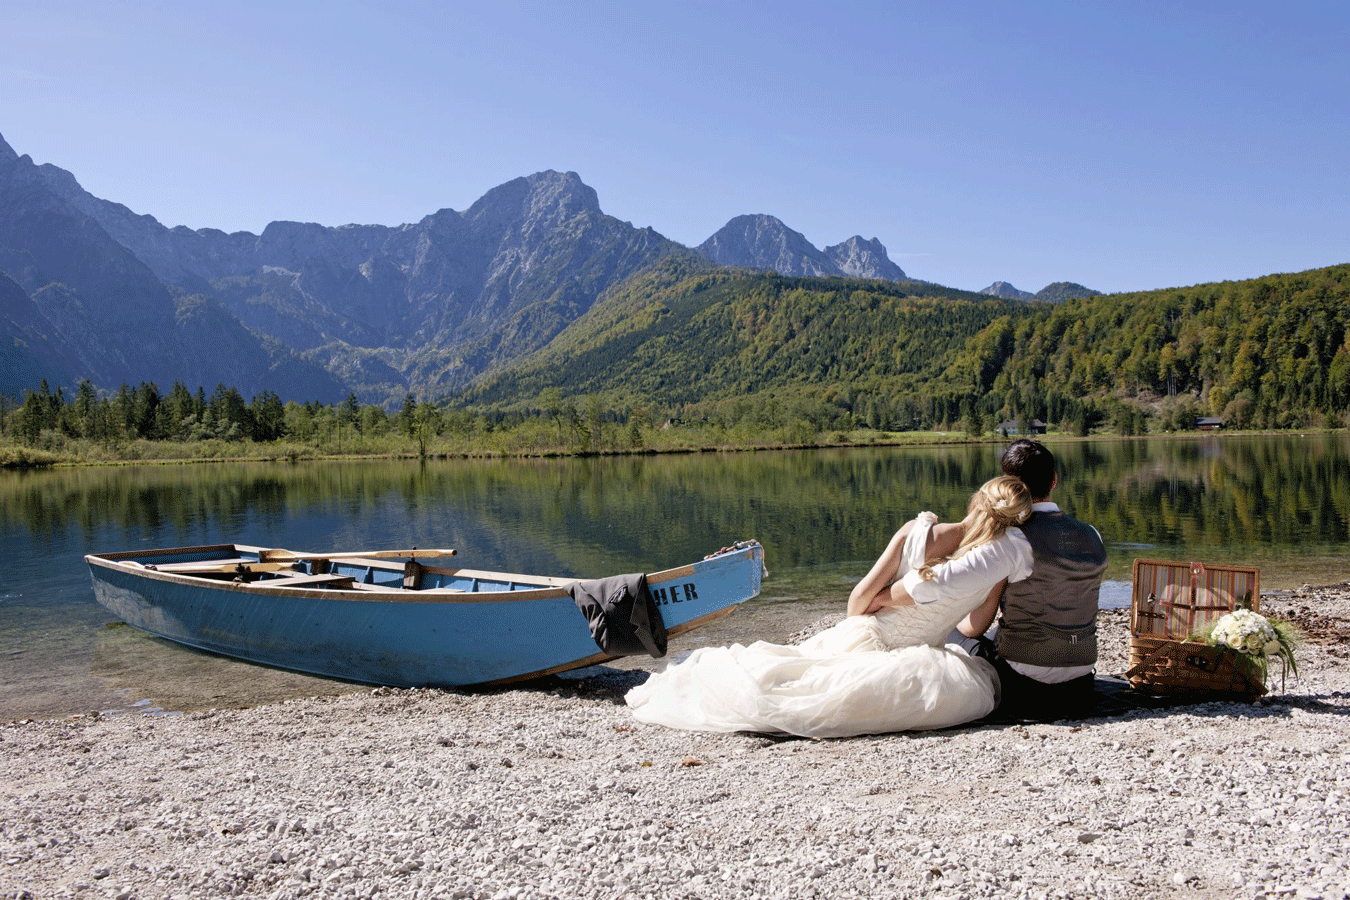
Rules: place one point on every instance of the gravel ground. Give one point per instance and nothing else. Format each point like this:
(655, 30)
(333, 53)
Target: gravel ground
(554, 791)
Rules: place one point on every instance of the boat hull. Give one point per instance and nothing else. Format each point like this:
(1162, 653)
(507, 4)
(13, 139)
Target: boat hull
(437, 637)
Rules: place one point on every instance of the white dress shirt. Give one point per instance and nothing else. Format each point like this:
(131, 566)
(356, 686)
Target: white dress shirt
(975, 572)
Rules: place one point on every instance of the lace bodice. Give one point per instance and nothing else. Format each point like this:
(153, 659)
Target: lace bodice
(924, 623)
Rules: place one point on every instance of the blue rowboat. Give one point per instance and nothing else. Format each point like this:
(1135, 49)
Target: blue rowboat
(400, 618)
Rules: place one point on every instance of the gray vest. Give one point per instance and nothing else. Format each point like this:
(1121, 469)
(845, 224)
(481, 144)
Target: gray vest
(1050, 619)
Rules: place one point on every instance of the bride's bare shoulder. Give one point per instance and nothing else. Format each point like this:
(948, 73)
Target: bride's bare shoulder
(945, 538)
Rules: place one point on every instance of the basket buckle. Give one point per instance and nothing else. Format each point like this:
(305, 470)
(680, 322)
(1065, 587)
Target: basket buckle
(1198, 661)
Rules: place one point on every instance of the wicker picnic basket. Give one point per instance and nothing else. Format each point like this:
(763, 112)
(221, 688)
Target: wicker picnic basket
(1170, 603)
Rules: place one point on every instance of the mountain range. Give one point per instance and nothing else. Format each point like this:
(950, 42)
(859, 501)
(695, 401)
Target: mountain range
(1051, 293)
(91, 290)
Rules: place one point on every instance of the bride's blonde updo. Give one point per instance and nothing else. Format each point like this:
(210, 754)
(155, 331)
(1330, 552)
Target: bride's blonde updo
(999, 504)
(1005, 498)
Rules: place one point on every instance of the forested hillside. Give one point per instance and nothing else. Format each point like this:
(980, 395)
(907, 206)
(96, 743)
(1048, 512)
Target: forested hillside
(684, 334)
(1271, 353)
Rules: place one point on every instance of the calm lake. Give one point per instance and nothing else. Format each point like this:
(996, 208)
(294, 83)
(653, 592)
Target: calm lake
(1282, 503)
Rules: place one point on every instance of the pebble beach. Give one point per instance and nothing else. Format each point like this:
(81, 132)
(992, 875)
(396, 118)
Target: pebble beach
(552, 790)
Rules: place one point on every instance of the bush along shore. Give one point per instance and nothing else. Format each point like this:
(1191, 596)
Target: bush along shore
(140, 424)
(552, 790)
(523, 441)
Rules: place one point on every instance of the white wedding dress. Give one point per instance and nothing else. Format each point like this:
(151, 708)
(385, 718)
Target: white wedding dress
(866, 675)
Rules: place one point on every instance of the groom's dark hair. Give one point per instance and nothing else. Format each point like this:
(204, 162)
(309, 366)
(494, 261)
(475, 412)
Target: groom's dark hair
(1032, 462)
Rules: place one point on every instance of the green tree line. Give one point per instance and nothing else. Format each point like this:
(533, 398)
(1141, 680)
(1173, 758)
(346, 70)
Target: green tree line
(50, 420)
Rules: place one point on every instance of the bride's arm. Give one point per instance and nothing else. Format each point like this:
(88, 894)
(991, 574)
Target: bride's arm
(881, 587)
(877, 582)
(982, 616)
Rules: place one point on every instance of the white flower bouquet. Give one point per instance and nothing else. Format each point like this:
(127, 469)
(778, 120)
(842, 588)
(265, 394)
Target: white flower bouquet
(1256, 637)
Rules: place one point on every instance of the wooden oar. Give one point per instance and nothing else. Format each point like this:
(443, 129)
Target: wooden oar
(209, 567)
(284, 555)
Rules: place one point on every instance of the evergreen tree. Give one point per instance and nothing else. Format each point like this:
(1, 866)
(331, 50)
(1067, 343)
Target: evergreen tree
(407, 415)
(268, 417)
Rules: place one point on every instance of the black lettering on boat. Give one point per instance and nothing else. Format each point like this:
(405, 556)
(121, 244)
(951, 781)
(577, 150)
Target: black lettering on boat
(678, 593)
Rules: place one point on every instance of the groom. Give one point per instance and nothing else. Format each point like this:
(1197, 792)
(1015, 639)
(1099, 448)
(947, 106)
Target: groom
(1045, 646)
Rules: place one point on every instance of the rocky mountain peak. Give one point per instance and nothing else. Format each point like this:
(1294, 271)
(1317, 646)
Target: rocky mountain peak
(564, 191)
(7, 154)
(764, 242)
(861, 258)
(542, 197)
(1006, 291)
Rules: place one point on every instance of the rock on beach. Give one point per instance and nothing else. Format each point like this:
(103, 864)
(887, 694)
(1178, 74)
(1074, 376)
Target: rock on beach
(552, 790)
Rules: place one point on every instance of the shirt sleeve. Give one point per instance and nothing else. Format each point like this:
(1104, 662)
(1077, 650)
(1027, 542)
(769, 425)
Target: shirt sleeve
(975, 572)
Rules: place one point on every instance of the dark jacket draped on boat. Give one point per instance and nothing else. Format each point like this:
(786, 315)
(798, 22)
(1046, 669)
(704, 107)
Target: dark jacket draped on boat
(622, 614)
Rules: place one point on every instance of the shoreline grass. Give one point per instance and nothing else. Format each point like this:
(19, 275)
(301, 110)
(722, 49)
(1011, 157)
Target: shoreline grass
(75, 452)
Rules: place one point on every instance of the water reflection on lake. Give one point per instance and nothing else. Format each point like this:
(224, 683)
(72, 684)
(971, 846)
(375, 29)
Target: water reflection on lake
(1282, 503)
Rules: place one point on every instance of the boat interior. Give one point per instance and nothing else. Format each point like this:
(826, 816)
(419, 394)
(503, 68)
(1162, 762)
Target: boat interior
(371, 571)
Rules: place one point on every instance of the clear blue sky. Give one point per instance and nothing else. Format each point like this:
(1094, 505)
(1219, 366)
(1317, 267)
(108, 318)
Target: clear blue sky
(1122, 145)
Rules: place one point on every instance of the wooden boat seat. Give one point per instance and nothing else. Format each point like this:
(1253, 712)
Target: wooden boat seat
(387, 588)
(308, 581)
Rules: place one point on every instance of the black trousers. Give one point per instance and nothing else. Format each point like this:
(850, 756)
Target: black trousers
(1025, 698)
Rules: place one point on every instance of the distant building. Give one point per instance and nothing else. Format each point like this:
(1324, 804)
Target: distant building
(1208, 423)
(1012, 426)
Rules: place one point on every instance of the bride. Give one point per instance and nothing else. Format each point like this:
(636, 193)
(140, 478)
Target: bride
(883, 668)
